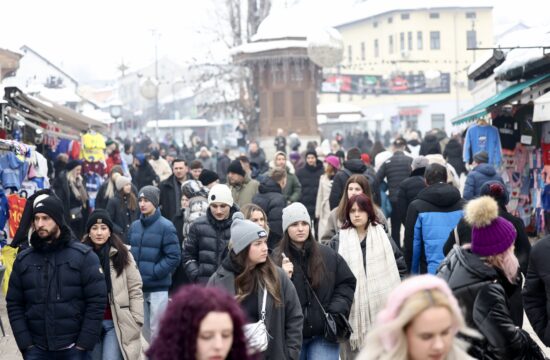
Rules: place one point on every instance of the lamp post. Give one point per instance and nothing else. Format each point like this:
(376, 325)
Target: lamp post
(115, 109)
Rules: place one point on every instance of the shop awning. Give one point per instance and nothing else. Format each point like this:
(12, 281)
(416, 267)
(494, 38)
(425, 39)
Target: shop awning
(483, 107)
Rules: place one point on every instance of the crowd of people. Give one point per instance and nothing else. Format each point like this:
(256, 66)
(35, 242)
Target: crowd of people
(209, 255)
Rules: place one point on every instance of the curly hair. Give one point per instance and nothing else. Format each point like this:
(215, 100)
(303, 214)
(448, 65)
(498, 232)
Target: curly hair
(180, 324)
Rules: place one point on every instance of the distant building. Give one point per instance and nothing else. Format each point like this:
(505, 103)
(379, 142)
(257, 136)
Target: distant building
(407, 61)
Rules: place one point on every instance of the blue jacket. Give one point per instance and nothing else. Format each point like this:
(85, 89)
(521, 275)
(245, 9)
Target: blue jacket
(477, 177)
(155, 247)
(430, 218)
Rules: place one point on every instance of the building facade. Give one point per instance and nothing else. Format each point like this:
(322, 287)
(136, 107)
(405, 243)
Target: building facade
(407, 68)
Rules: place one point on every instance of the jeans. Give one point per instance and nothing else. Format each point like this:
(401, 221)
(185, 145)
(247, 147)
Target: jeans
(35, 353)
(107, 348)
(154, 305)
(317, 348)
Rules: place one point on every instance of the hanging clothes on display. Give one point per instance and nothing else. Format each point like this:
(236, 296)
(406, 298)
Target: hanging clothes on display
(16, 204)
(482, 137)
(93, 147)
(508, 131)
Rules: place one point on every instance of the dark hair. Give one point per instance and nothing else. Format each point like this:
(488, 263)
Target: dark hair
(430, 145)
(364, 203)
(377, 148)
(278, 174)
(253, 276)
(244, 159)
(315, 267)
(121, 259)
(435, 173)
(130, 198)
(180, 324)
(353, 153)
(357, 179)
(179, 160)
(196, 164)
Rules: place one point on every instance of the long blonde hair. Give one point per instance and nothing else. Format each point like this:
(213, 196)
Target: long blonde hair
(413, 306)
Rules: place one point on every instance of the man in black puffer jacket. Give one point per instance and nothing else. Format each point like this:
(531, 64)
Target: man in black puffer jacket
(206, 246)
(411, 186)
(353, 165)
(57, 294)
(309, 177)
(272, 201)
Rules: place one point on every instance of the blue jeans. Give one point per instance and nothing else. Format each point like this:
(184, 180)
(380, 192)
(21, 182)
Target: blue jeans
(35, 353)
(154, 304)
(317, 348)
(107, 348)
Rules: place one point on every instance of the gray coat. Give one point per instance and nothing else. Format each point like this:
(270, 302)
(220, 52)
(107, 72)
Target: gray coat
(284, 323)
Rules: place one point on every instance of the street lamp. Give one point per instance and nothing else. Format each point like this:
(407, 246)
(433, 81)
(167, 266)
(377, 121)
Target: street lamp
(115, 109)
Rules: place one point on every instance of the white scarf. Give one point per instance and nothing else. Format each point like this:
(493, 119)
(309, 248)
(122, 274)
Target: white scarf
(374, 286)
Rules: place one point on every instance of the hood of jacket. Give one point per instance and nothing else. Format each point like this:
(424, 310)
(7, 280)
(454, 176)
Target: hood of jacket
(269, 185)
(356, 166)
(440, 195)
(486, 169)
(289, 167)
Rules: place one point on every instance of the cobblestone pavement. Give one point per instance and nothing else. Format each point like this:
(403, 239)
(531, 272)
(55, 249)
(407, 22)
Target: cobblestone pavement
(9, 351)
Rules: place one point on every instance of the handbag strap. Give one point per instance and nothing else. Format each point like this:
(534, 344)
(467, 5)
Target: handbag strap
(315, 296)
(263, 304)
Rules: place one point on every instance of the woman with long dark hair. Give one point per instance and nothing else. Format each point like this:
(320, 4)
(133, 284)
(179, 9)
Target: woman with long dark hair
(373, 258)
(123, 207)
(69, 187)
(251, 276)
(201, 323)
(123, 317)
(322, 279)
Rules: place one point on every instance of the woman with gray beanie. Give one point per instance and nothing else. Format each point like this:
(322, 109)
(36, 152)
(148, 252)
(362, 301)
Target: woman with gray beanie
(263, 290)
(323, 280)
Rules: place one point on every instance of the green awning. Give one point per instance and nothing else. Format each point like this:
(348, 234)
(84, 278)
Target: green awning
(482, 108)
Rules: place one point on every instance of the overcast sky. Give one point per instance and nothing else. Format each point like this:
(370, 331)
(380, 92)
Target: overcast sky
(89, 39)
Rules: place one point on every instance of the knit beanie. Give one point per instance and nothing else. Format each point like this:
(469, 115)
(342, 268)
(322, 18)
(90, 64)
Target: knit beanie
(151, 193)
(121, 182)
(400, 294)
(497, 191)
(293, 213)
(294, 156)
(72, 164)
(236, 167)
(208, 177)
(491, 234)
(334, 161)
(311, 152)
(220, 193)
(244, 232)
(51, 206)
(99, 216)
(366, 158)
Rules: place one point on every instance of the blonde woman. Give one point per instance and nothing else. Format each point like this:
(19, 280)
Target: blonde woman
(255, 214)
(420, 321)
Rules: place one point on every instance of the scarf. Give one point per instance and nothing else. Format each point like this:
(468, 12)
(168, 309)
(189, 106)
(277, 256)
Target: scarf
(374, 285)
(103, 255)
(78, 189)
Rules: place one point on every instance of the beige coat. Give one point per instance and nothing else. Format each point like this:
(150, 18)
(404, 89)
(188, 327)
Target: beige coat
(162, 168)
(322, 206)
(127, 308)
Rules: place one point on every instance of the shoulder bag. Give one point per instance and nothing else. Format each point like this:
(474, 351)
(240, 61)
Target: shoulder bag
(256, 333)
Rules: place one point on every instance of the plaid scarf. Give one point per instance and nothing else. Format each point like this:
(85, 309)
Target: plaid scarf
(374, 285)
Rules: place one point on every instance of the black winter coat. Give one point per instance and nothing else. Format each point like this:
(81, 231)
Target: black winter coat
(336, 291)
(144, 175)
(121, 216)
(169, 200)
(221, 167)
(536, 292)
(484, 294)
(57, 294)
(355, 166)
(206, 246)
(259, 159)
(395, 170)
(453, 155)
(309, 177)
(271, 199)
(408, 190)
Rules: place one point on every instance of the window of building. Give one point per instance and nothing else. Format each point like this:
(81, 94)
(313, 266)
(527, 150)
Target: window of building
(375, 24)
(471, 39)
(390, 20)
(363, 55)
(434, 15)
(350, 54)
(435, 43)
(376, 48)
(419, 40)
(470, 15)
(402, 41)
(410, 40)
(390, 44)
(405, 16)
(411, 121)
(438, 121)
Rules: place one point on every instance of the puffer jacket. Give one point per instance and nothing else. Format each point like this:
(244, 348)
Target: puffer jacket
(484, 292)
(56, 295)
(453, 155)
(121, 216)
(155, 248)
(244, 193)
(284, 323)
(408, 191)
(206, 246)
(430, 218)
(477, 177)
(309, 177)
(335, 292)
(272, 202)
(355, 166)
(395, 170)
(126, 300)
